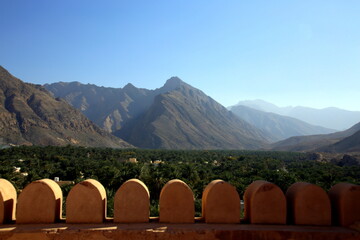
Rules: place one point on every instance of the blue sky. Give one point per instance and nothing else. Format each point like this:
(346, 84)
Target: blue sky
(285, 52)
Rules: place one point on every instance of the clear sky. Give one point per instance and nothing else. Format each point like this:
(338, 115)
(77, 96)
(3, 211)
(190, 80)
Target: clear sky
(304, 52)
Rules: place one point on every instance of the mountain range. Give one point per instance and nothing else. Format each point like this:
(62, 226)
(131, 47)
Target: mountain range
(29, 115)
(174, 116)
(343, 141)
(331, 117)
(109, 108)
(276, 125)
(327, 140)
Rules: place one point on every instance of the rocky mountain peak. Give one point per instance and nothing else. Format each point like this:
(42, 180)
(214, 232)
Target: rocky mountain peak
(129, 86)
(173, 83)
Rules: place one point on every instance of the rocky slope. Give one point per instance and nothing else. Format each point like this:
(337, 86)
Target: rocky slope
(320, 142)
(109, 108)
(186, 118)
(346, 145)
(175, 116)
(30, 115)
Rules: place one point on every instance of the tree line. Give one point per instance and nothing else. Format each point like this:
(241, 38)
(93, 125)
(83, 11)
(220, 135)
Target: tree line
(24, 164)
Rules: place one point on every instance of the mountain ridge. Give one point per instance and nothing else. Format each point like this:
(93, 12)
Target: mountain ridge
(174, 116)
(346, 145)
(30, 115)
(279, 126)
(168, 117)
(321, 142)
(190, 116)
(330, 117)
(116, 105)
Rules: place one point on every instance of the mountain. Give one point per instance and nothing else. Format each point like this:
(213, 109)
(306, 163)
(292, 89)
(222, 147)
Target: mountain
(332, 118)
(175, 116)
(279, 126)
(348, 144)
(29, 115)
(109, 108)
(264, 106)
(186, 118)
(316, 142)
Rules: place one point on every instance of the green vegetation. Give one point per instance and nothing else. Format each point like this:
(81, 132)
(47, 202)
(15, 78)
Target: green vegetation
(155, 167)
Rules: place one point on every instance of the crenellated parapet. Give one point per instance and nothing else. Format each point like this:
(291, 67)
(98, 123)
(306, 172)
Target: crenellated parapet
(265, 203)
(303, 205)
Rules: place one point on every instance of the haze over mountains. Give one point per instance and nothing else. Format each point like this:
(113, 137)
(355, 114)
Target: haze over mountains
(174, 116)
(276, 125)
(331, 117)
(275, 119)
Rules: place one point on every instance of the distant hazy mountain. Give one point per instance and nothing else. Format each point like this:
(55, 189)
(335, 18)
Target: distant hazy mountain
(332, 118)
(175, 116)
(264, 106)
(322, 142)
(279, 126)
(30, 115)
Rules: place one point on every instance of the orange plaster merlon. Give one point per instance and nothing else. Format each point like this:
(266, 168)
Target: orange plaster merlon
(2, 209)
(8, 199)
(176, 203)
(40, 202)
(345, 201)
(308, 204)
(86, 203)
(220, 203)
(205, 194)
(132, 203)
(265, 203)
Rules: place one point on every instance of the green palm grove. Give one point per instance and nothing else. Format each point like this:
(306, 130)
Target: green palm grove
(155, 167)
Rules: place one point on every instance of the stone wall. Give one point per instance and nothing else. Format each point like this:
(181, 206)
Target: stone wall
(305, 211)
